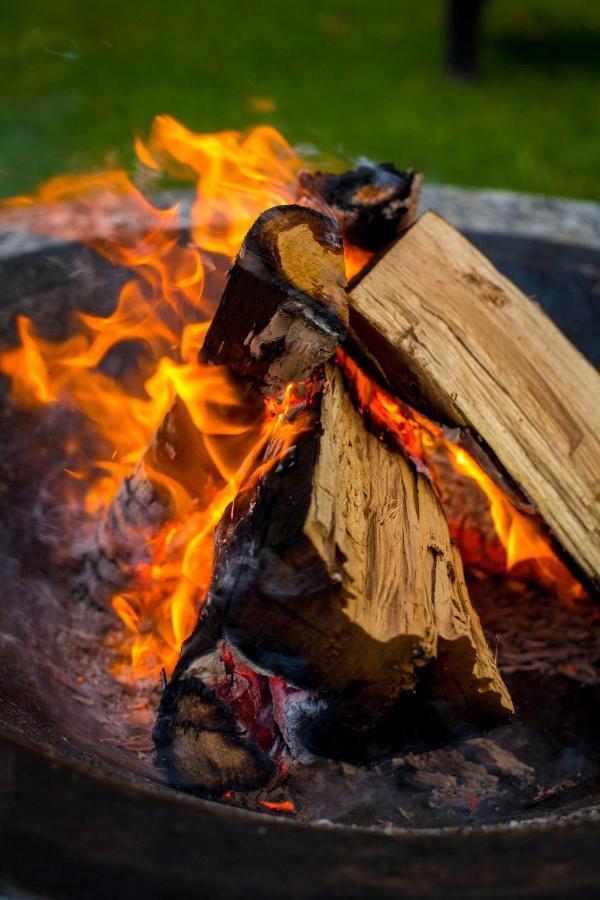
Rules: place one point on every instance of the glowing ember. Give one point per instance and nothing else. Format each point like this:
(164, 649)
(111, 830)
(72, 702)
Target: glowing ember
(284, 806)
(356, 259)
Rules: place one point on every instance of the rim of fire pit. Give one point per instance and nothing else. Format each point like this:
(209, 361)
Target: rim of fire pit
(151, 852)
(535, 216)
(156, 842)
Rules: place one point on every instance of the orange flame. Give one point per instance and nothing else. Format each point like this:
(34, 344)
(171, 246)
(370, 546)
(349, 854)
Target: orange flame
(238, 176)
(282, 806)
(163, 308)
(521, 535)
(356, 258)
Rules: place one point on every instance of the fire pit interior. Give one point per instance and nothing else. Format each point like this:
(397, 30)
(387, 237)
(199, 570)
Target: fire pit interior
(343, 669)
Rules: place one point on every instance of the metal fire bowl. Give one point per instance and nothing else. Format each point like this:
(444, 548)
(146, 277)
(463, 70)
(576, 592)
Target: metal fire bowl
(78, 823)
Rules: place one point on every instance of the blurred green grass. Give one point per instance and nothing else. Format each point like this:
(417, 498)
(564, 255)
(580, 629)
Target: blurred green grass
(80, 79)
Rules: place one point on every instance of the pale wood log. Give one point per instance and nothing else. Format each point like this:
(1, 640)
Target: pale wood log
(378, 526)
(465, 673)
(451, 335)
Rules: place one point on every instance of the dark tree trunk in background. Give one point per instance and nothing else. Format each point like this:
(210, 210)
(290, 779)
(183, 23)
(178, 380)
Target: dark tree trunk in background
(463, 26)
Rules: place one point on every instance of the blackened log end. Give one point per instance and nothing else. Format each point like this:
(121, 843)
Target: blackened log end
(199, 745)
(372, 203)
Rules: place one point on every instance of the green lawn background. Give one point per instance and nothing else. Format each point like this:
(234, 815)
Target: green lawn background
(80, 78)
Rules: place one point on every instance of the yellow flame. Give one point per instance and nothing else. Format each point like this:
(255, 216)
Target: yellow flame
(163, 308)
(520, 534)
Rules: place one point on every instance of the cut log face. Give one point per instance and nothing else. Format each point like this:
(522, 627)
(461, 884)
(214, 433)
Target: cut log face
(285, 309)
(198, 738)
(372, 203)
(452, 336)
(338, 575)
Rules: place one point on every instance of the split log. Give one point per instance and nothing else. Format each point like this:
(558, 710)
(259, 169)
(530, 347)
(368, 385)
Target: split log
(338, 575)
(285, 309)
(283, 312)
(373, 203)
(448, 333)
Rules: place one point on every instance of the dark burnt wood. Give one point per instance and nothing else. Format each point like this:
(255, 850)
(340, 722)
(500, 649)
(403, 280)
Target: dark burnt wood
(201, 744)
(373, 203)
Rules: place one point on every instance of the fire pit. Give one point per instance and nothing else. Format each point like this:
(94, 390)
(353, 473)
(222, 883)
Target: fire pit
(454, 809)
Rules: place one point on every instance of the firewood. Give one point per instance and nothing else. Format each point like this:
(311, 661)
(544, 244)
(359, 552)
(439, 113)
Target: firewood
(285, 309)
(372, 203)
(222, 726)
(338, 575)
(448, 333)
(200, 741)
(283, 312)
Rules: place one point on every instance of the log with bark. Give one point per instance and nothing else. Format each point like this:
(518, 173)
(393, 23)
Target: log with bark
(443, 329)
(285, 308)
(283, 312)
(372, 203)
(336, 574)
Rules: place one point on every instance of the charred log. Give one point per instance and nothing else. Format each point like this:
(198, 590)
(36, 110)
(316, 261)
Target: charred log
(199, 740)
(338, 575)
(222, 726)
(373, 203)
(284, 310)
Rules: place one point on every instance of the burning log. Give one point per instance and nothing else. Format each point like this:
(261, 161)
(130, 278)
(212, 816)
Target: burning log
(336, 574)
(373, 203)
(283, 312)
(285, 308)
(177, 458)
(452, 336)
(202, 736)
